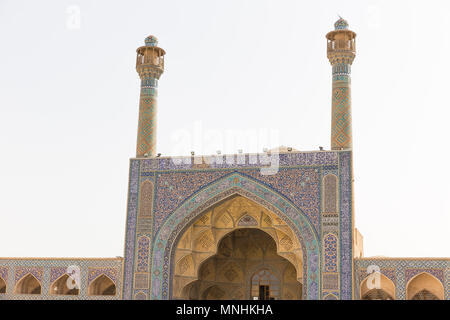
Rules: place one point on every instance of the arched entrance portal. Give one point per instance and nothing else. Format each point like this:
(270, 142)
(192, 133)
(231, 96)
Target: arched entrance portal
(166, 255)
(238, 250)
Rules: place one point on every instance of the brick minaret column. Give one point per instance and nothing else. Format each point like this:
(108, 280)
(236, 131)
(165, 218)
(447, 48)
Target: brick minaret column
(341, 52)
(150, 66)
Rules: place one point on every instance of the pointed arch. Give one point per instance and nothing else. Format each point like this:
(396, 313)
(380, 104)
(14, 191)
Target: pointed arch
(424, 286)
(28, 285)
(372, 289)
(2, 285)
(330, 296)
(235, 183)
(60, 287)
(143, 254)
(102, 286)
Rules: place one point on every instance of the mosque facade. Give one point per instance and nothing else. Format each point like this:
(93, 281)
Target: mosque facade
(277, 225)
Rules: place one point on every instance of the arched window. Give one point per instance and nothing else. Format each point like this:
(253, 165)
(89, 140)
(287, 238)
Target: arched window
(140, 296)
(377, 287)
(28, 285)
(59, 286)
(146, 199)
(424, 286)
(2, 285)
(102, 286)
(265, 285)
(330, 193)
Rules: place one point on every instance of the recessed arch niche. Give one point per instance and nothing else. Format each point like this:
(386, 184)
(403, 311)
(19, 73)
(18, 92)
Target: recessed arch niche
(217, 255)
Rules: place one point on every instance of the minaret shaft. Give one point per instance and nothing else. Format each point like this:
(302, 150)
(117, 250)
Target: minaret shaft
(341, 118)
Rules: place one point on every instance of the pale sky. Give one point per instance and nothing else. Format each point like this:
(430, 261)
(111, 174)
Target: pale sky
(69, 97)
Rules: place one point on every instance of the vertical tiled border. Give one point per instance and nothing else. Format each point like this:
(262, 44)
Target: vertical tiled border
(345, 184)
(130, 234)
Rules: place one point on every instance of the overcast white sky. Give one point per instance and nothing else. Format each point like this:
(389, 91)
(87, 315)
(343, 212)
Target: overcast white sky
(69, 109)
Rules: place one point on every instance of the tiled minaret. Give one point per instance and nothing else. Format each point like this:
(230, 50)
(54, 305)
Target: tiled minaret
(150, 66)
(341, 52)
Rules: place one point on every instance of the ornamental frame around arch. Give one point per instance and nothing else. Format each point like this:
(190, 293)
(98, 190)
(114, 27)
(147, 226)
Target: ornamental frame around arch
(167, 237)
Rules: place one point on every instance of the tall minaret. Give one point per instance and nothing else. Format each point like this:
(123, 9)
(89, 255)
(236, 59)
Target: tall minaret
(341, 52)
(150, 66)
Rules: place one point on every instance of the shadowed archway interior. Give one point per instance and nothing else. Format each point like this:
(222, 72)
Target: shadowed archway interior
(238, 250)
(246, 266)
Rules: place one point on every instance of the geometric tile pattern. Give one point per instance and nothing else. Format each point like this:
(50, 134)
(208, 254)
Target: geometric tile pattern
(130, 232)
(111, 273)
(330, 253)
(143, 254)
(172, 188)
(438, 273)
(388, 272)
(147, 126)
(330, 282)
(345, 225)
(330, 194)
(341, 135)
(300, 185)
(141, 281)
(324, 158)
(57, 272)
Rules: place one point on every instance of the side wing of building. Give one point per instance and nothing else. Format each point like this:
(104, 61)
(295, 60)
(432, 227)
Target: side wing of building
(60, 278)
